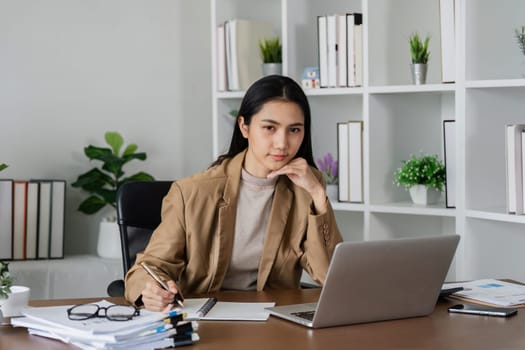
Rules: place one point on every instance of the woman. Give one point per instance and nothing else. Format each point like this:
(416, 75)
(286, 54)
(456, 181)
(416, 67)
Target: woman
(255, 219)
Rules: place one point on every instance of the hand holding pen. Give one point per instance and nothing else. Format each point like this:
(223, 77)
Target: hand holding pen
(152, 297)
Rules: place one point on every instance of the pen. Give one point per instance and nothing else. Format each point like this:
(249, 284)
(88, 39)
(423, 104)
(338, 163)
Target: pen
(178, 297)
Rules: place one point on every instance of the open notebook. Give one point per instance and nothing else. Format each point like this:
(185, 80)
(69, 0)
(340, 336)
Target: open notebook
(211, 309)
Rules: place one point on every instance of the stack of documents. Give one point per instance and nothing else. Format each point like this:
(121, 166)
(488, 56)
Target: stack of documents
(491, 292)
(149, 330)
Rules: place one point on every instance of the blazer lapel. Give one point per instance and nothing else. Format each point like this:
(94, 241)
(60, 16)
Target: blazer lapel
(281, 205)
(223, 247)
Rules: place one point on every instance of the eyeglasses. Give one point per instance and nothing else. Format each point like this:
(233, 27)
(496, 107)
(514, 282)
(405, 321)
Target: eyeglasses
(113, 313)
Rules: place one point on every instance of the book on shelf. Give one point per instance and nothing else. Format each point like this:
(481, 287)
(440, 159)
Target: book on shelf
(342, 156)
(448, 41)
(221, 58)
(449, 141)
(514, 168)
(19, 219)
(32, 220)
(331, 42)
(44, 219)
(32, 215)
(56, 235)
(342, 74)
(243, 62)
(6, 219)
(340, 48)
(522, 167)
(356, 77)
(350, 49)
(323, 50)
(350, 156)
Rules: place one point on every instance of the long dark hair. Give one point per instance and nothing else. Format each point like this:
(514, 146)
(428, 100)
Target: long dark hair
(271, 88)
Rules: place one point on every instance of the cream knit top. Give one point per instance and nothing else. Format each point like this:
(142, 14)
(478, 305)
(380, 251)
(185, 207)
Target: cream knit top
(253, 213)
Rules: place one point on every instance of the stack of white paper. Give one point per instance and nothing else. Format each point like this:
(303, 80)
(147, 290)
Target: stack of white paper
(149, 330)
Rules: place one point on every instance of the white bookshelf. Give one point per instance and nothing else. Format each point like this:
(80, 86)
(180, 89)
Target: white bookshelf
(401, 119)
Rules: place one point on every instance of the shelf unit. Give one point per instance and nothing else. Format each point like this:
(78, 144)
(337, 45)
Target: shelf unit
(401, 119)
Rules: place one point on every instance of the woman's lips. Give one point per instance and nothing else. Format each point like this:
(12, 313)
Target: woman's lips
(278, 157)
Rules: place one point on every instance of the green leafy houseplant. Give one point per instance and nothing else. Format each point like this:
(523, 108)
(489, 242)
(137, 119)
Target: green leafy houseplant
(3, 166)
(421, 170)
(103, 183)
(271, 50)
(6, 281)
(520, 37)
(418, 49)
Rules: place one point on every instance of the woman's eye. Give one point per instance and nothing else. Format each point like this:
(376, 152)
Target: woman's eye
(295, 130)
(268, 127)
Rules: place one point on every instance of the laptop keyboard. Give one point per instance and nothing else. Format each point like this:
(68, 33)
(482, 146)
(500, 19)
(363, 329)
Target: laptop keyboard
(307, 315)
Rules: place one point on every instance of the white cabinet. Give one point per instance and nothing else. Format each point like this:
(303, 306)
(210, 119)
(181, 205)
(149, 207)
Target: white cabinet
(401, 119)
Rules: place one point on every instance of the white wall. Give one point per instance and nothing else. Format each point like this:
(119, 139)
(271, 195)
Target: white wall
(72, 69)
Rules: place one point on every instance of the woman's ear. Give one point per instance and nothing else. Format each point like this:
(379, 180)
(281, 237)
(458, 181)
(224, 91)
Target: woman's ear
(242, 126)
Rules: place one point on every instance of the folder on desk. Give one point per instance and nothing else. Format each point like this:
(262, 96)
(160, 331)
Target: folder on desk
(490, 292)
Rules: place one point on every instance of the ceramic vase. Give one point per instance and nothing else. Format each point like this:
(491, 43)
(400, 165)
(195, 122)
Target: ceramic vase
(332, 192)
(424, 195)
(108, 245)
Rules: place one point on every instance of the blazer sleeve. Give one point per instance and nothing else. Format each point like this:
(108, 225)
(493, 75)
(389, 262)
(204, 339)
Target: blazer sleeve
(165, 250)
(322, 235)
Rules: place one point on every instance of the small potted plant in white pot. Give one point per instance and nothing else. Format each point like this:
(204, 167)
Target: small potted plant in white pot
(329, 168)
(12, 298)
(424, 176)
(420, 54)
(271, 54)
(103, 183)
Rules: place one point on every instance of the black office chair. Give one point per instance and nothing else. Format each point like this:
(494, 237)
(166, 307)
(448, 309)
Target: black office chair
(138, 213)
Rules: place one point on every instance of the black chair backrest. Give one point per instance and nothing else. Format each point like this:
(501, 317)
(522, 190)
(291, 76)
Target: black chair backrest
(138, 212)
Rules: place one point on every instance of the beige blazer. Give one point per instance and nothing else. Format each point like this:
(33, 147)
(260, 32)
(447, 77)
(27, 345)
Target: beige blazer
(194, 242)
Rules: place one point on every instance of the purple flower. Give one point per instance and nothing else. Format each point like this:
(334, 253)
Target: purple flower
(328, 165)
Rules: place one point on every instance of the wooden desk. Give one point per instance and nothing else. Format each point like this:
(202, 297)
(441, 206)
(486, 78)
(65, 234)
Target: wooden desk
(440, 330)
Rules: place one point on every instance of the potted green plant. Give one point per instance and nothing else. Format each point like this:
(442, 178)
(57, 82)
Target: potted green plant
(271, 54)
(520, 38)
(103, 183)
(12, 298)
(329, 167)
(420, 54)
(6, 281)
(3, 166)
(424, 176)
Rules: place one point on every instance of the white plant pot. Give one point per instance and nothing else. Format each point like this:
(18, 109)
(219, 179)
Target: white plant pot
(332, 192)
(108, 245)
(15, 302)
(424, 195)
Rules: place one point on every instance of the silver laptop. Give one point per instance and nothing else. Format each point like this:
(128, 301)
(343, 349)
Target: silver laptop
(376, 281)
